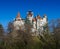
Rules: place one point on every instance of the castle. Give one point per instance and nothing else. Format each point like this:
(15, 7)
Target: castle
(36, 22)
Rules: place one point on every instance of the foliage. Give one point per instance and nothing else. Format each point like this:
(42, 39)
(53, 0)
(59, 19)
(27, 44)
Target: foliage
(18, 39)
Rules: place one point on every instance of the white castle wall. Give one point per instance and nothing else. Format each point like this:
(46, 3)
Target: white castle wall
(44, 20)
(38, 24)
(18, 24)
(30, 18)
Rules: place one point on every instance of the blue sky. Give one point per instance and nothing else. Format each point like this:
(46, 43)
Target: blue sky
(10, 8)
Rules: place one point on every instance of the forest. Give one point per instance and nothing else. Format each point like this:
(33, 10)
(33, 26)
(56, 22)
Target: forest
(22, 39)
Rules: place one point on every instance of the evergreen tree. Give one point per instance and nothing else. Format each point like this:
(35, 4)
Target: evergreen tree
(1, 30)
(10, 27)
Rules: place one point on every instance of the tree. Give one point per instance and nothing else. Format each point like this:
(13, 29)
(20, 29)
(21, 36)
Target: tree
(56, 34)
(10, 27)
(1, 36)
(1, 30)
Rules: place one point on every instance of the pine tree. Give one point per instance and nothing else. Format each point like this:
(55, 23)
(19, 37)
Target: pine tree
(1, 30)
(10, 27)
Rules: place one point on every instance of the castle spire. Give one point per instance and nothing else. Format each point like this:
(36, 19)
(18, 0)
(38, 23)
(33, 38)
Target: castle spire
(18, 16)
(38, 16)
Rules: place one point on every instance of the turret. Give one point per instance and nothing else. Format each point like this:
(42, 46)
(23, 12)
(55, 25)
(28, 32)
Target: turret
(30, 16)
(18, 18)
(45, 19)
(38, 21)
(38, 17)
(18, 23)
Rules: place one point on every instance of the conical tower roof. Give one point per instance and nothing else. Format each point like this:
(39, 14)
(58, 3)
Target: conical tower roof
(18, 16)
(38, 16)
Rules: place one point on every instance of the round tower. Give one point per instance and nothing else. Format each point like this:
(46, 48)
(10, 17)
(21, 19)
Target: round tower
(45, 19)
(30, 16)
(18, 23)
